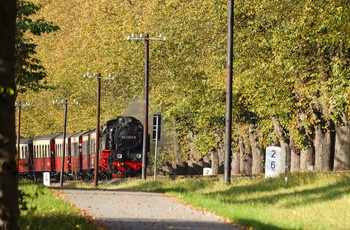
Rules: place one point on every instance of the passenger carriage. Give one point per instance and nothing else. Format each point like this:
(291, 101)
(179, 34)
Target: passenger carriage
(44, 154)
(25, 157)
(59, 153)
(77, 154)
(89, 151)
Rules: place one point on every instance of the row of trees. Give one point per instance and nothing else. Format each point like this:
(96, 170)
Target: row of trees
(291, 72)
(296, 75)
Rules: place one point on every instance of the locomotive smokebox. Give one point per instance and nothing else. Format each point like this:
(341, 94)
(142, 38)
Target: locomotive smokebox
(128, 138)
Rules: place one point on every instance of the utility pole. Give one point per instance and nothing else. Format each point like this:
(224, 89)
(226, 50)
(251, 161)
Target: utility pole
(65, 103)
(99, 77)
(146, 40)
(229, 67)
(19, 105)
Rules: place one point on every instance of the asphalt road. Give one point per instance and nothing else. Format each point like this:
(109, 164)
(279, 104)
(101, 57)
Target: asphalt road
(142, 210)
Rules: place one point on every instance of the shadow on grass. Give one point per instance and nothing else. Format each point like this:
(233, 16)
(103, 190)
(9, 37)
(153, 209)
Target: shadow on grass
(305, 196)
(56, 222)
(254, 224)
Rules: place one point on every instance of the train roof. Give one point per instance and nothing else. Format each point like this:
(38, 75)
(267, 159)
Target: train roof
(76, 135)
(46, 137)
(68, 135)
(88, 133)
(26, 140)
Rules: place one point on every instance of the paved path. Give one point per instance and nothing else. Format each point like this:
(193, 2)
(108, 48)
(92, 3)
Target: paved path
(142, 210)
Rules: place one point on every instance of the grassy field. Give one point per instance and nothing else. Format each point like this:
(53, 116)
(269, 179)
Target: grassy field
(311, 201)
(46, 210)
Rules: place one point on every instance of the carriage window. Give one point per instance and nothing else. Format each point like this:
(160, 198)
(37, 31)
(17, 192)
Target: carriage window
(76, 149)
(26, 153)
(72, 149)
(84, 147)
(21, 153)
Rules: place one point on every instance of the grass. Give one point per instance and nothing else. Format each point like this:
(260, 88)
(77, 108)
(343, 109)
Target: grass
(45, 210)
(311, 201)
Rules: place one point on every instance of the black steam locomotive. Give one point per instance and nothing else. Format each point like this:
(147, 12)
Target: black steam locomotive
(122, 147)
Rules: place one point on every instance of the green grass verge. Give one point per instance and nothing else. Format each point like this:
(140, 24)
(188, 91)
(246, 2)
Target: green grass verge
(311, 201)
(44, 210)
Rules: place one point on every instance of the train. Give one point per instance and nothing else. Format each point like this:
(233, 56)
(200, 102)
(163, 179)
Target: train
(120, 155)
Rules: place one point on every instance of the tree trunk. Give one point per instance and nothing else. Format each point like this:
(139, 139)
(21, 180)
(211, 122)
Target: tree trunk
(9, 210)
(257, 152)
(307, 158)
(179, 166)
(215, 162)
(323, 143)
(294, 157)
(281, 134)
(235, 169)
(235, 163)
(221, 166)
(294, 160)
(342, 145)
(219, 156)
(324, 135)
(245, 157)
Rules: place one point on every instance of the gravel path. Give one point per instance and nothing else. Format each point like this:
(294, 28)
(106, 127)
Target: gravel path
(142, 210)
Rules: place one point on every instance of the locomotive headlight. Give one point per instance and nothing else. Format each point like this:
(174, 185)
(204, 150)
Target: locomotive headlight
(138, 156)
(119, 156)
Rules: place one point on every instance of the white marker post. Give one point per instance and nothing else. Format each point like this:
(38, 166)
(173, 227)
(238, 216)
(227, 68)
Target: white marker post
(207, 171)
(46, 178)
(273, 161)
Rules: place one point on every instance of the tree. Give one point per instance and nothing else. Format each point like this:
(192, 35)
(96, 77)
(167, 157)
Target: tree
(9, 211)
(28, 70)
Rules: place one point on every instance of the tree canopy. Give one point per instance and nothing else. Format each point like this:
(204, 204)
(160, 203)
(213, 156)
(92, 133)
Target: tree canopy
(291, 69)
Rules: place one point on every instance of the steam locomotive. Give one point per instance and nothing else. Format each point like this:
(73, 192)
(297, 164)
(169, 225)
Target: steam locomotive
(121, 145)
(122, 154)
